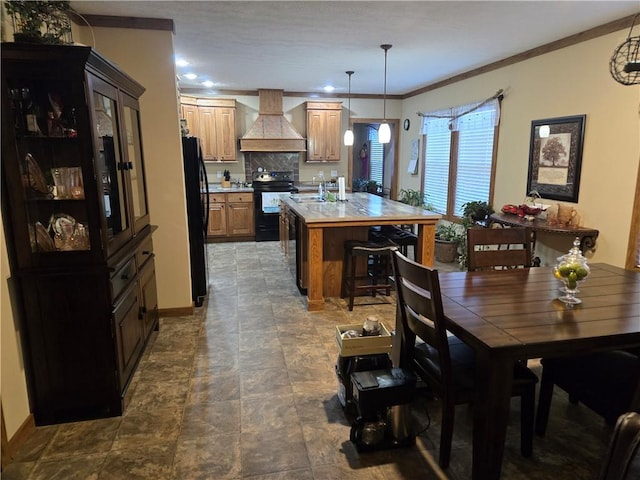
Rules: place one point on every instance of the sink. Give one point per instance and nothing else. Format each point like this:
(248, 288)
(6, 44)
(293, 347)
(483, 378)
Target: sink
(306, 199)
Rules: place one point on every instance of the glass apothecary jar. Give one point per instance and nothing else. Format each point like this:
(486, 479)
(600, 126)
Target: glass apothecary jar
(571, 269)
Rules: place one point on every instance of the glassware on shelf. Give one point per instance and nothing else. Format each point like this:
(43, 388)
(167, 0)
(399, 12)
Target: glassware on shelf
(76, 188)
(61, 182)
(69, 234)
(571, 269)
(68, 183)
(33, 177)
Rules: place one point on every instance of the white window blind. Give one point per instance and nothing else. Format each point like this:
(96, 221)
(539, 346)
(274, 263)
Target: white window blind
(376, 157)
(475, 126)
(475, 155)
(436, 171)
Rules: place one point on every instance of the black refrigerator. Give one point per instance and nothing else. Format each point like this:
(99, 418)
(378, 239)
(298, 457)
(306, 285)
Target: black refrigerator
(197, 190)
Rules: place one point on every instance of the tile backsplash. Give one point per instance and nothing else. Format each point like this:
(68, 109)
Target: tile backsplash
(270, 162)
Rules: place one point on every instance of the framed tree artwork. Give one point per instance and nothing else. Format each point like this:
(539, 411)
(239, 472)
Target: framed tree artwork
(555, 157)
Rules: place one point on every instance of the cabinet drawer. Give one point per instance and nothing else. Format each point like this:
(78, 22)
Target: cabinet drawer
(144, 252)
(123, 277)
(216, 198)
(239, 197)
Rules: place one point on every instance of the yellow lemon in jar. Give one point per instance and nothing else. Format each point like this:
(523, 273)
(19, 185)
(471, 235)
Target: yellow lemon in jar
(557, 274)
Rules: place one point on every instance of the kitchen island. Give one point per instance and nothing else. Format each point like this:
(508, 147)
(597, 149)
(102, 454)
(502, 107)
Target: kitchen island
(323, 228)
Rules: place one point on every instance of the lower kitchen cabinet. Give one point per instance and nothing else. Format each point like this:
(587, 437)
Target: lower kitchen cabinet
(231, 216)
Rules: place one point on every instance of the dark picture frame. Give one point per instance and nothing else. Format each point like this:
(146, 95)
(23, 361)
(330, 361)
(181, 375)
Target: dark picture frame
(555, 157)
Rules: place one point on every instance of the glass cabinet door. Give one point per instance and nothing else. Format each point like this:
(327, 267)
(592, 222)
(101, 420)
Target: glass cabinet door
(44, 168)
(110, 167)
(134, 161)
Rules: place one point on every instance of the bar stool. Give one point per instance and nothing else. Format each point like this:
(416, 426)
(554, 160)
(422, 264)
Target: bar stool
(378, 255)
(398, 235)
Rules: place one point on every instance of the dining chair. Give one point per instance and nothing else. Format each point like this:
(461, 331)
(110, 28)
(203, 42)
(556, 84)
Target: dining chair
(606, 382)
(441, 359)
(621, 462)
(498, 248)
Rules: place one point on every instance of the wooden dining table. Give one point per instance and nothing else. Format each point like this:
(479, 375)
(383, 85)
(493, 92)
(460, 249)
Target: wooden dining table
(515, 315)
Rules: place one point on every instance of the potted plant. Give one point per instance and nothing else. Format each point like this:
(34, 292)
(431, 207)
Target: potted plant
(359, 184)
(40, 21)
(448, 238)
(373, 187)
(475, 212)
(414, 198)
(410, 197)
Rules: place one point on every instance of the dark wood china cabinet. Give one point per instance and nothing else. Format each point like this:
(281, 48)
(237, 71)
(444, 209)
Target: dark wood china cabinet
(76, 221)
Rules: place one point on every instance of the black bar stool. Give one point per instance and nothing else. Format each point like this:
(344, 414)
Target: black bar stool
(401, 237)
(378, 255)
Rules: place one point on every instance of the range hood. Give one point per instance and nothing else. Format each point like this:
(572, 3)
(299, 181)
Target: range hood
(272, 132)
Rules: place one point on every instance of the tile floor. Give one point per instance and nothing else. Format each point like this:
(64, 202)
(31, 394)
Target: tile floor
(246, 389)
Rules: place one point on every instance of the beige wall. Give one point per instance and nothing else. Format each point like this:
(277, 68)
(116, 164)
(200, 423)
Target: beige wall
(571, 81)
(148, 57)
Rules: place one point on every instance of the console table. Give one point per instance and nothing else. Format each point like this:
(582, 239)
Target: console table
(587, 236)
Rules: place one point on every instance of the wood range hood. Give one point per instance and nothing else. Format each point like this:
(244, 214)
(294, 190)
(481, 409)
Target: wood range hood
(272, 132)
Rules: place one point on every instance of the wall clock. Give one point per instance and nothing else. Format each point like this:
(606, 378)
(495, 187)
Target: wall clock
(407, 123)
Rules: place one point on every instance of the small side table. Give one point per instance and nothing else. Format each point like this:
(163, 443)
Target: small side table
(587, 236)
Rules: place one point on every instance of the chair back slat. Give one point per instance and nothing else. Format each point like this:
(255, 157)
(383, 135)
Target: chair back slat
(421, 311)
(498, 248)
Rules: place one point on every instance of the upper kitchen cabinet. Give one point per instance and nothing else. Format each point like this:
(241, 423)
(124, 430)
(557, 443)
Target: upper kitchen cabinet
(76, 222)
(189, 113)
(324, 122)
(212, 120)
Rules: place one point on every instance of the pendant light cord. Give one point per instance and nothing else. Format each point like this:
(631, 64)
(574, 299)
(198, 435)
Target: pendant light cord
(386, 48)
(349, 72)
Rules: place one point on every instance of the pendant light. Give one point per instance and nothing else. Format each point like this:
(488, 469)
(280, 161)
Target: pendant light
(384, 132)
(348, 134)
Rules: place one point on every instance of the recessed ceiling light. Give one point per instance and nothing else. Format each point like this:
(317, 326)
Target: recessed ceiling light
(329, 88)
(208, 83)
(191, 76)
(181, 62)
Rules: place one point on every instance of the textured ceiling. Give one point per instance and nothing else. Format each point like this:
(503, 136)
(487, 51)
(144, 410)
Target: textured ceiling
(302, 46)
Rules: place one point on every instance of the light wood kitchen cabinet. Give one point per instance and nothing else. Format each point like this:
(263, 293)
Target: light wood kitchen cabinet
(324, 122)
(214, 122)
(217, 215)
(190, 114)
(231, 215)
(240, 214)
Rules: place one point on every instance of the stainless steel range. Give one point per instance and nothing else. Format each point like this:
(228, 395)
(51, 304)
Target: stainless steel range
(267, 188)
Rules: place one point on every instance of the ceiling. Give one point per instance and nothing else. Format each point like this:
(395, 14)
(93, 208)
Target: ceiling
(302, 46)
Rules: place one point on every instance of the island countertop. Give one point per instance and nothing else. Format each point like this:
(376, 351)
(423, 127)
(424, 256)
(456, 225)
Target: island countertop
(363, 208)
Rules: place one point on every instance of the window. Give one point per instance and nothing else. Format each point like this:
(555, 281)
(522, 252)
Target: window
(376, 157)
(459, 156)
